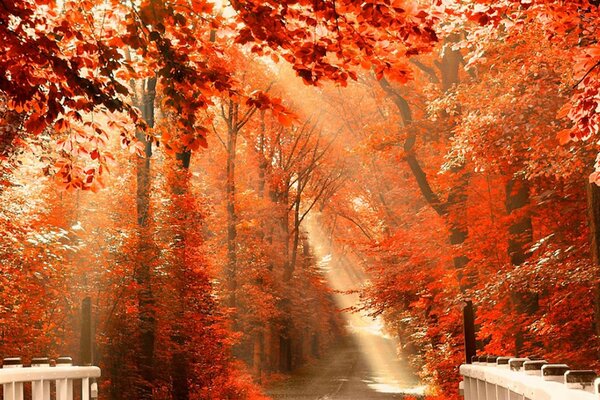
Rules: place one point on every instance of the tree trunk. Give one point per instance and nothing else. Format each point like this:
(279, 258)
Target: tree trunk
(289, 272)
(262, 162)
(179, 186)
(280, 199)
(593, 191)
(285, 340)
(232, 134)
(180, 365)
(458, 227)
(450, 64)
(521, 230)
(520, 237)
(257, 355)
(285, 347)
(146, 301)
(272, 348)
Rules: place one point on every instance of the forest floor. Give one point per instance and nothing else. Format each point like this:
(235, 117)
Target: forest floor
(345, 373)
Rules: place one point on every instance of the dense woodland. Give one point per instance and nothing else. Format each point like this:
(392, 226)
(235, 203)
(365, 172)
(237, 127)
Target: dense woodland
(178, 161)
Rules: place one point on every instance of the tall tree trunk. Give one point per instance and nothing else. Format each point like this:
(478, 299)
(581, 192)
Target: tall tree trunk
(144, 273)
(520, 237)
(593, 191)
(451, 60)
(285, 340)
(272, 349)
(289, 272)
(232, 134)
(257, 355)
(285, 343)
(521, 230)
(281, 234)
(179, 359)
(259, 358)
(278, 350)
(459, 230)
(262, 162)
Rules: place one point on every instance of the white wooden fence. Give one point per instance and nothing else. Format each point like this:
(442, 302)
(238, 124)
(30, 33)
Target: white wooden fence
(505, 378)
(46, 382)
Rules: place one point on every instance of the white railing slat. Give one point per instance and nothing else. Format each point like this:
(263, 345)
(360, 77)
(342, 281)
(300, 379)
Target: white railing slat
(94, 390)
(37, 390)
(85, 389)
(46, 385)
(9, 391)
(490, 391)
(70, 389)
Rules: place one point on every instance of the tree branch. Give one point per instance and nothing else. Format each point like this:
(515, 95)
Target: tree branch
(359, 226)
(586, 74)
(421, 177)
(433, 78)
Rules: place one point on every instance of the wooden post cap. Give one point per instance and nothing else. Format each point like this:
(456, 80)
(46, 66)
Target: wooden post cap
(554, 372)
(580, 379)
(9, 362)
(64, 361)
(534, 367)
(491, 359)
(40, 362)
(516, 364)
(503, 360)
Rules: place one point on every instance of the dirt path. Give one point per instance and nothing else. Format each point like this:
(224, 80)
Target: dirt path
(345, 374)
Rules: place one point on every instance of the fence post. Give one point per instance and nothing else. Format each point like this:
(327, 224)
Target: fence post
(87, 340)
(64, 387)
(469, 331)
(40, 389)
(14, 390)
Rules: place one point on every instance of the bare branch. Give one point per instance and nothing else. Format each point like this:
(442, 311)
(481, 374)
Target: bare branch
(433, 78)
(359, 226)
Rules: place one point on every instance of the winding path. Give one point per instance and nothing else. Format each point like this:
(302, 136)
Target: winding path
(345, 374)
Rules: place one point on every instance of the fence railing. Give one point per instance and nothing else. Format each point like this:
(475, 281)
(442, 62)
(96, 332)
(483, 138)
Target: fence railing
(506, 378)
(43, 380)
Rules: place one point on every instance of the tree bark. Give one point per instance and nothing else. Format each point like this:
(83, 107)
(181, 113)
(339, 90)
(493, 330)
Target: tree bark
(593, 192)
(257, 355)
(232, 134)
(451, 60)
(262, 162)
(296, 237)
(459, 230)
(520, 237)
(146, 301)
(521, 230)
(179, 187)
